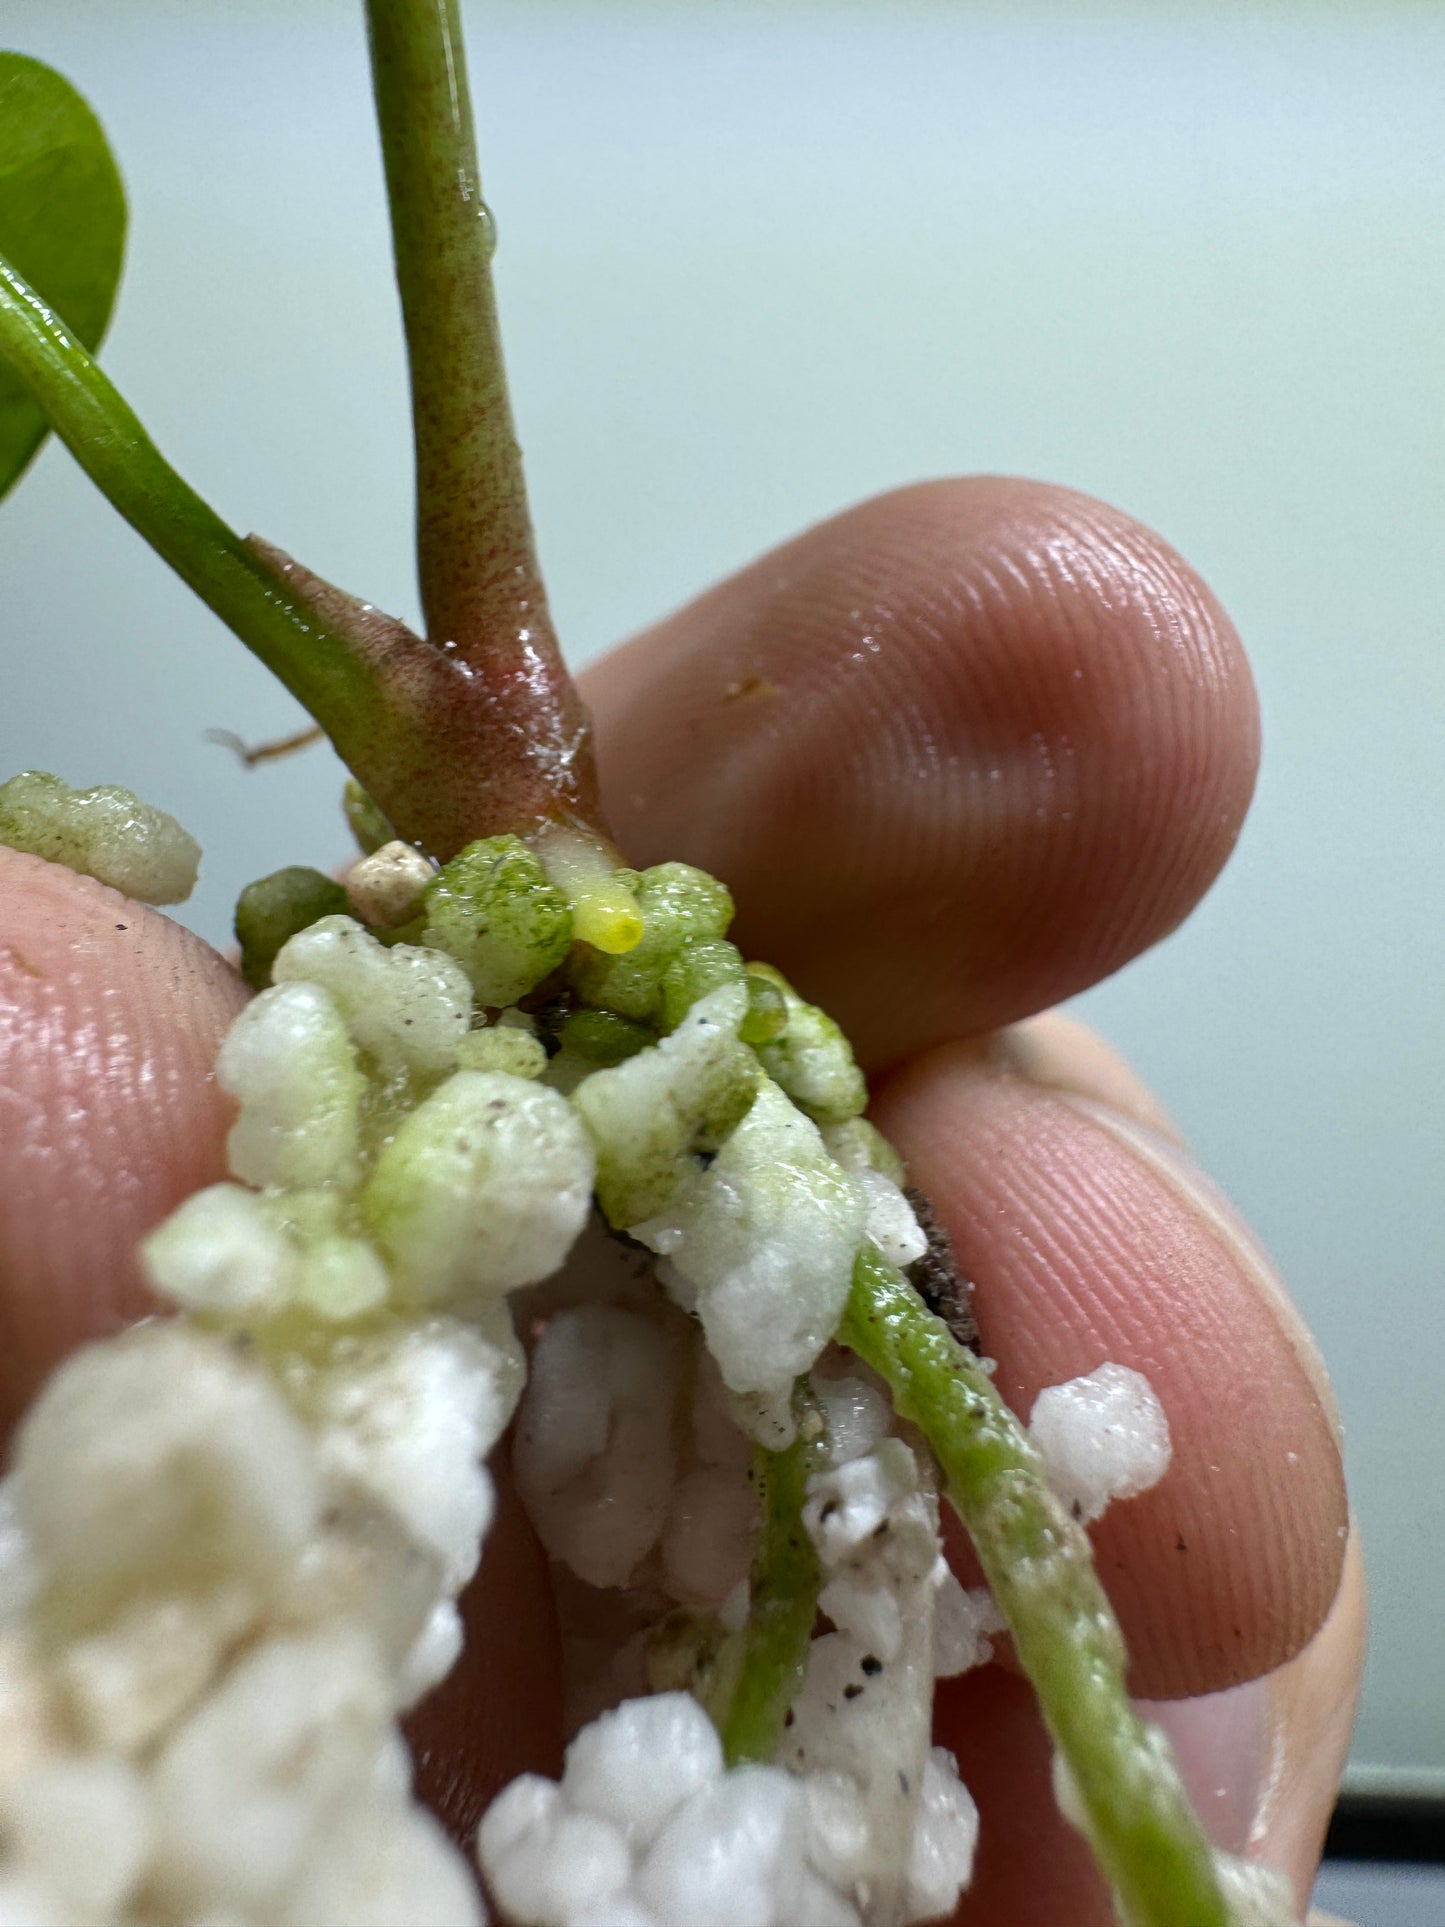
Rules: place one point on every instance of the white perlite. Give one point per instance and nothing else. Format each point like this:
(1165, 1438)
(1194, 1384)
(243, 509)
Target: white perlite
(483, 1189)
(964, 1618)
(635, 1477)
(233, 1543)
(625, 1454)
(290, 1065)
(106, 833)
(223, 1604)
(594, 1452)
(764, 1241)
(1103, 1437)
(648, 1829)
(385, 889)
(864, 1717)
(409, 1008)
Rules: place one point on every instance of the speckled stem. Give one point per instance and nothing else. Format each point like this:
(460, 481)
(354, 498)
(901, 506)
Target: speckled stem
(1038, 1564)
(481, 585)
(784, 1602)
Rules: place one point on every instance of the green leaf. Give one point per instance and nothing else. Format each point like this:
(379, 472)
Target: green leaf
(62, 224)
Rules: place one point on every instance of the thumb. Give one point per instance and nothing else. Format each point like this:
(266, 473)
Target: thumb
(1263, 1761)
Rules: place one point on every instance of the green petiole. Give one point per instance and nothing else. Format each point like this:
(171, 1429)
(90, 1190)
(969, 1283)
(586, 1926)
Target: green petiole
(1037, 1562)
(402, 715)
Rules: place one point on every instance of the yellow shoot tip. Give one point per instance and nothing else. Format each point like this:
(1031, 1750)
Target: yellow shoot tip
(605, 913)
(607, 916)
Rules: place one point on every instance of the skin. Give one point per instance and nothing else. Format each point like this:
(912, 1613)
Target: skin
(959, 753)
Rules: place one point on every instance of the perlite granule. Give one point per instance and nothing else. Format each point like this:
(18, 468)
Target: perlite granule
(1104, 1436)
(106, 833)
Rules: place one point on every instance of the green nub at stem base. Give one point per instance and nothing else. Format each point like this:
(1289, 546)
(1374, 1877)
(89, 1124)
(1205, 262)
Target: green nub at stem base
(1037, 1563)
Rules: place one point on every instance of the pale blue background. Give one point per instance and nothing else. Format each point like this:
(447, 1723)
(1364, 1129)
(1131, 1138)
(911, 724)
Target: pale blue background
(757, 263)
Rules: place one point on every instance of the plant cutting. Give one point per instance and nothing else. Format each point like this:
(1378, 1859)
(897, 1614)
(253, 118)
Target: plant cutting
(520, 1135)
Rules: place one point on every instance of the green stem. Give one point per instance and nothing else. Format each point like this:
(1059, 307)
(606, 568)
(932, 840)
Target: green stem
(784, 1602)
(103, 434)
(481, 586)
(1038, 1564)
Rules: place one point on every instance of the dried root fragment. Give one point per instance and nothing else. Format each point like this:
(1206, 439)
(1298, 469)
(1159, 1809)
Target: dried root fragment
(935, 1275)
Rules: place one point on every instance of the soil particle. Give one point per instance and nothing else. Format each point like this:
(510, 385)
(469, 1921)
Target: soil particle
(936, 1276)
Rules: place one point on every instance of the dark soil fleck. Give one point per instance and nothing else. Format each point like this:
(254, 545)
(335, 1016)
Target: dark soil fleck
(549, 1017)
(936, 1276)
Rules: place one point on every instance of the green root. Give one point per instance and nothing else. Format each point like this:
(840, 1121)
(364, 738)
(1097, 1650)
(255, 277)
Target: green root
(784, 1602)
(1038, 1564)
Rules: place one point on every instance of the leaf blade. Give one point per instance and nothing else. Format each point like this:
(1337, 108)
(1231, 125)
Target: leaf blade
(62, 224)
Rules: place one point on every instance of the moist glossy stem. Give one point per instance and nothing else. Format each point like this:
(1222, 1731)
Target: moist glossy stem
(481, 586)
(1038, 1564)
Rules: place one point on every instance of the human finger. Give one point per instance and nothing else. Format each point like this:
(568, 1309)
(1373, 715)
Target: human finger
(958, 752)
(1264, 1761)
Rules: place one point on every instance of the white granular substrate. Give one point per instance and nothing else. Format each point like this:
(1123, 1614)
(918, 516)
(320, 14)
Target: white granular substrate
(1103, 1437)
(233, 1542)
(648, 1829)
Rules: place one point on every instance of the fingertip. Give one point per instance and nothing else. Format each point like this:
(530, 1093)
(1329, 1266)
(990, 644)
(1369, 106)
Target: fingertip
(1054, 1051)
(959, 752)
(110, 1018)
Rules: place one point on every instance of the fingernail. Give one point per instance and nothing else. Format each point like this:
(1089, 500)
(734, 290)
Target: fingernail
(1173, 1166)
(1224, 1744)
(1058, 1053)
